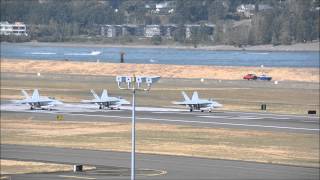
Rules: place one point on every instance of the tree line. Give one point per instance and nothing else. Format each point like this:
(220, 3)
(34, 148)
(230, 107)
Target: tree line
(286, 22)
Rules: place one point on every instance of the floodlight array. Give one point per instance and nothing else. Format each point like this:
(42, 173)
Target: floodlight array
(136, 82)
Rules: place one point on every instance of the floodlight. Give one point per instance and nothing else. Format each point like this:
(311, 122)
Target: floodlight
(140, 79)
(120, 79)
(150, 80)
(134, 84)
(129, 79)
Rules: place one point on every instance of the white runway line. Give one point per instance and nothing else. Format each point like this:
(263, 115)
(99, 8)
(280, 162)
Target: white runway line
(233, 124)
(200, 122)
(275, 115)
(11, 107)
(242, 117)
(216, 117)
(247, 117)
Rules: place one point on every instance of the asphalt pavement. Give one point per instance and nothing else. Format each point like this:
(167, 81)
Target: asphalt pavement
(161, 166)
(220, 119)
(116, 165)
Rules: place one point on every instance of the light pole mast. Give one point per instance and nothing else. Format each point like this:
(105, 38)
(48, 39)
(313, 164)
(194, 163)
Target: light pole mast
(133, 136)
(132, 81)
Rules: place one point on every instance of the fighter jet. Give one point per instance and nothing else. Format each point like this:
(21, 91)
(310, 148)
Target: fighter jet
(106, 101)
(37, 101)
(198, 104)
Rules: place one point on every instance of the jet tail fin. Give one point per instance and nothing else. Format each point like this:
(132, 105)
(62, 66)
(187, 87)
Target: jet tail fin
(104, 95)
(185, 96)
(35, 94)
(25, 94)
(94, 94)
(195, 96)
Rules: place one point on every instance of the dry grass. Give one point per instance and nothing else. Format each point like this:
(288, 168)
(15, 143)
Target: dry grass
(23, 167)
(286, 97)
(261, 146)
(169, 71)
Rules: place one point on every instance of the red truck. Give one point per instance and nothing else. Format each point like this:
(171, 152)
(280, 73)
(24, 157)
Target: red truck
(250, 77)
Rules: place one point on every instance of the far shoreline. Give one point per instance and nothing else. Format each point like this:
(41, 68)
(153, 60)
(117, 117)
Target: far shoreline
(311, 46)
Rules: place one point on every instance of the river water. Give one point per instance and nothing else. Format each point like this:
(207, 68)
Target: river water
(161, 55)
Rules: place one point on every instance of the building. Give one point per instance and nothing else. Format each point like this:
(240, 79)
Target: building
(161, 8)
(189, 28)
(17, 29)
(167, 30)
(148, 31)
(111, 30)
(248, 10)
(152, 30)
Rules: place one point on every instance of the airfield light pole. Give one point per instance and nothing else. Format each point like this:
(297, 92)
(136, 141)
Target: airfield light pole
(133, 84)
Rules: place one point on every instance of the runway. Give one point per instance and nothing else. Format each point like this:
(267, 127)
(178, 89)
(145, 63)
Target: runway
(168, 167)
(151, 166)
(218, 119)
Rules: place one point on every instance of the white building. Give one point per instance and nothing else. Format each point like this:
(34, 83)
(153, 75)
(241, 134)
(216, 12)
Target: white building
(17, 29)
(247, 10)
(152, 30)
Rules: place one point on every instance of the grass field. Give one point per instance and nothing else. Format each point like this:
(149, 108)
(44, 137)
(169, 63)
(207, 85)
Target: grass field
(9, 167)
(23, 167)
(289, 97)
(260, 146)
(285, 97)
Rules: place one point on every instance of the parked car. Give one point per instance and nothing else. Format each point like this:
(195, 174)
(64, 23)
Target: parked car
(264, 77)
(250, 77)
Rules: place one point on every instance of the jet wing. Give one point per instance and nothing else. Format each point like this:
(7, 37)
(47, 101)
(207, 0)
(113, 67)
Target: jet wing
(182, 103)
(32, 101)
(93, 101)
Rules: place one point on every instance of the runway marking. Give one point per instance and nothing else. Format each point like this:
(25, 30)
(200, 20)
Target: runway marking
(234, 124)
(273, 115)
(203, 122)
(246, 117)
(76, 177)
(216, 117)
(169, 112)
(159, 172)
(198, 122)
(280, 118)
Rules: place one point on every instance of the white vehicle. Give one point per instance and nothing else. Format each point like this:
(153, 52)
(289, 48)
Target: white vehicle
(38, 102)
(195, 103)
(106, 101)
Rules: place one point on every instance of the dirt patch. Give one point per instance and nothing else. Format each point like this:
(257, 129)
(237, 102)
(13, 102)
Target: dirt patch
(167, 71)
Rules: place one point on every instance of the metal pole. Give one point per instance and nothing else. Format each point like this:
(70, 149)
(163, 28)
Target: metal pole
(133, 136)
